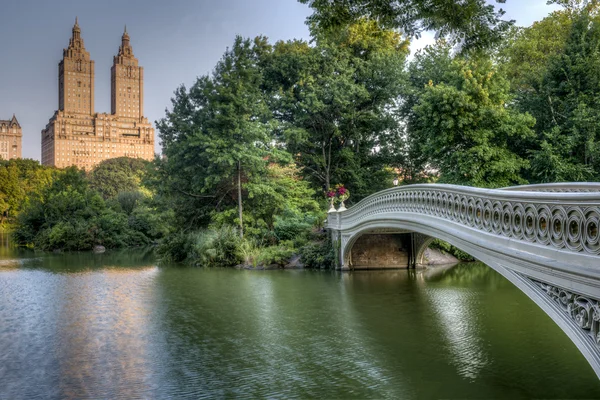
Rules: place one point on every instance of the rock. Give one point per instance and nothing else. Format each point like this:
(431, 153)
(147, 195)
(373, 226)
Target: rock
(99, 249)
(436, 257)
(294, 263)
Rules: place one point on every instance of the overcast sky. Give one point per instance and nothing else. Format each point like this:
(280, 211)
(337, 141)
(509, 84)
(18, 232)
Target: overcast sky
(174, 40)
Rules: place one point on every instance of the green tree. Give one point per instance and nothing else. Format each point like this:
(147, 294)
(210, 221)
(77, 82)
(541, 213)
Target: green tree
(567, 108)
(115, 175)
(526, 52)
(335, 101)
(69, 215)
(466, 127)
(472, 23)
(19, 178)
(279, 192)
(217, 137)
(432, 64)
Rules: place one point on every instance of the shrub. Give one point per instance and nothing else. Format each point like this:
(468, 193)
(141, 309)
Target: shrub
(220, 247)
(279, 255)
(177, 247)
(318, 255)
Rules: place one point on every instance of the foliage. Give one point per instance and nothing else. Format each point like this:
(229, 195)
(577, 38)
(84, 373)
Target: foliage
(176, 247)
(318, 254)
(294, 225)
(448, 248)
(274, 255)
(216, 135)
(220, 247)
(465, 129)
(334, 103)
(20, 178)
(277, 201)
(116, 175)
(526, 52)
(567, 107)
(69, 215)
(472, 23)
(128, 201)
(217, 248)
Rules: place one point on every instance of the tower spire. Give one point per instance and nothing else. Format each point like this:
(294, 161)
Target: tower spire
(125, 49)
(76, 30)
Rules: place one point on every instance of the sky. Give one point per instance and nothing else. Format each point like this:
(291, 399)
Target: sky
(175, 41)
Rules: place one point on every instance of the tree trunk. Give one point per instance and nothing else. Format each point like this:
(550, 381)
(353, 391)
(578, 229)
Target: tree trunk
(239, 183)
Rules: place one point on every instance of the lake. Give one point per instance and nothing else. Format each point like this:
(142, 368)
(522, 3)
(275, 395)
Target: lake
(119, 325)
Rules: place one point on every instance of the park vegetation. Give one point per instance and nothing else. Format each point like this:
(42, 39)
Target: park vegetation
(251, 150)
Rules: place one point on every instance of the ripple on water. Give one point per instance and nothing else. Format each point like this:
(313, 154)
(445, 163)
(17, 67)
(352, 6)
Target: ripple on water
(145, 332)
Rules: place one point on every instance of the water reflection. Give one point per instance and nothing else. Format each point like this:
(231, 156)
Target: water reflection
(116, 325)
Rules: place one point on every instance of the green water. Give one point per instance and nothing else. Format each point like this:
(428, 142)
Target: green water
(119, 326)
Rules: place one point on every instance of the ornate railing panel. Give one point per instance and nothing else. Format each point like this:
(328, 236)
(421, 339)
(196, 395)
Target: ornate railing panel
(568, 221)
(584, 311)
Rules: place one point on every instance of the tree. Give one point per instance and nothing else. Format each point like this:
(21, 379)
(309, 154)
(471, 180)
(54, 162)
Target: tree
(472, 23)
(567, 108)
(115, 175)
(335, 102)
(465, 125)
(18, 179)
(217, 137)
(527, 52)
(69, 215)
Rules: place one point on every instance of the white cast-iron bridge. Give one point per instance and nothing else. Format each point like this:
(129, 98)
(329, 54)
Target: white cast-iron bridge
(543, 238)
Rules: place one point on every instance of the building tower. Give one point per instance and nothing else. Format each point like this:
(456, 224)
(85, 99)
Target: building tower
(10, 138)
(76, 77)
(127, 83)
(76, 134)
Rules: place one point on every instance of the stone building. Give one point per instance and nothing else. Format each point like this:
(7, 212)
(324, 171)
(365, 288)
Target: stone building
(10, 138)
(76, 134)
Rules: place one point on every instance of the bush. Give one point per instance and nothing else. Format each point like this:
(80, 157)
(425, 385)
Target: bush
(318, 255)
(177, 247)
(293, 226)
(279, 255)
(220, 247)
(67, 236)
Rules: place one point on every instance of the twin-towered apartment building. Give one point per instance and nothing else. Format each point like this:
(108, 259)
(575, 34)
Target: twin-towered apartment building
(76, 134)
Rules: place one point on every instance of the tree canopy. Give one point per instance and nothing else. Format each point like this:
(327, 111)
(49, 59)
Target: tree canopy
(474, 24)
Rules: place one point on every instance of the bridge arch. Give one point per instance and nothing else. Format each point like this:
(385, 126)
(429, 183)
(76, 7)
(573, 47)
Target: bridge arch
(544, 239)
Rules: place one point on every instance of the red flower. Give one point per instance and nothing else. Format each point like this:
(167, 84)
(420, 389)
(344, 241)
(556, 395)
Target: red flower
(330, 194)
(341, 191)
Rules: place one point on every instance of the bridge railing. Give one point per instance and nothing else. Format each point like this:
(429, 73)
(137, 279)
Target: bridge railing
(561, 216)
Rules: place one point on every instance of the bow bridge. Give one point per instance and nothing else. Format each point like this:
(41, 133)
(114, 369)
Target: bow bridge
(545, 239)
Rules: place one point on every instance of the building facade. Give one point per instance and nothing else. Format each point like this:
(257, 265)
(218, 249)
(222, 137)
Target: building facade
(76, 134)
(10, 138)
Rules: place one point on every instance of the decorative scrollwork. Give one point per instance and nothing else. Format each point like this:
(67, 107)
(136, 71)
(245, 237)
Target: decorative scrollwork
(540, 218)
(584, 311)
